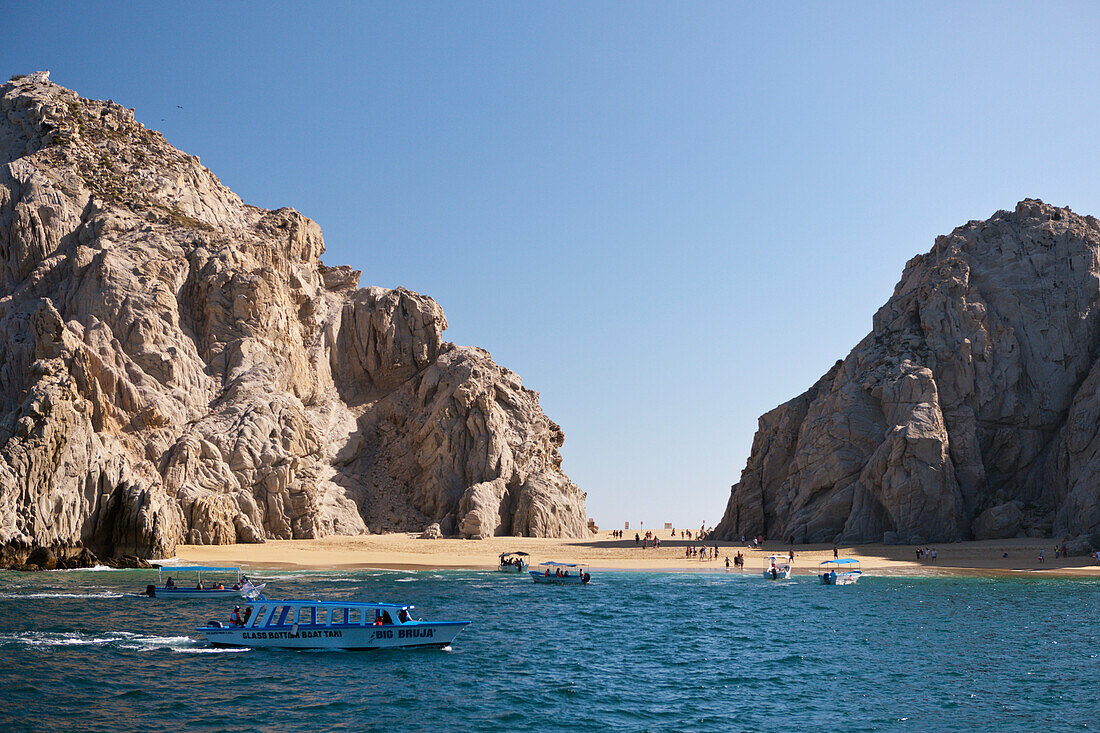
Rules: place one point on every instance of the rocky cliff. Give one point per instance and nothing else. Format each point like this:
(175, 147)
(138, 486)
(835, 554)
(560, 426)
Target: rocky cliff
(179, 366)
(971, 410)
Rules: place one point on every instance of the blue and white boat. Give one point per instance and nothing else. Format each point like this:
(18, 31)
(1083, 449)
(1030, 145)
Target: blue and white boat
(513, 562)
(561, 573)
(777, 567)
(844, 571)
(208, 587)
(305, 624)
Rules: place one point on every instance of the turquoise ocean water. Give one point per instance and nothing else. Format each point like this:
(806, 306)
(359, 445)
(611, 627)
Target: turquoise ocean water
(632, 651)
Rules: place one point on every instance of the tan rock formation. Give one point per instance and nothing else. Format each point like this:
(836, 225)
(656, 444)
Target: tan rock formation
(971, 408)
(178, 365)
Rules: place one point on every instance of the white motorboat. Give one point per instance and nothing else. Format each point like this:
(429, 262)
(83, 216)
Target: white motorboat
(843, 571)
(777, 567)
(513, 562)
(561, 573)
(208, 587)
(304, 624)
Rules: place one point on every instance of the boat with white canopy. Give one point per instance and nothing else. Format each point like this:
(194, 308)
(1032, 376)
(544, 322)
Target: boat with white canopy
(219, 582)
(561, 573)
(843, 571)
(513, 562)
(777, 567)
(306, 624)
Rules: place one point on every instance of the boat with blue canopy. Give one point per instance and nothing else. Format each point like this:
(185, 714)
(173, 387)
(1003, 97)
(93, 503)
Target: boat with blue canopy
(843, 571)
(513, 562)
(220, 582)
(308, 624)
(561, 573)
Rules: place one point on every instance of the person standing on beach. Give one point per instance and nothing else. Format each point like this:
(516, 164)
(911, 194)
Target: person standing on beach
(1042, 558)
(835, 553)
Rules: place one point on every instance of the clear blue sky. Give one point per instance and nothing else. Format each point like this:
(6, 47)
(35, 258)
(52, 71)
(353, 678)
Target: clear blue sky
(667, 218)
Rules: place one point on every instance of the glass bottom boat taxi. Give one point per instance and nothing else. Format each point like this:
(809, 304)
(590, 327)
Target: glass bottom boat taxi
(328, 625)
(844, 571)
(210, 587)
(777, 567)
(561, 573)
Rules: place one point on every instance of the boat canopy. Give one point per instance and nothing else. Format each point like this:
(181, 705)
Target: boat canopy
(330, 604)
(841, 561)
(509, 554)
(196, 568)
(553, 564)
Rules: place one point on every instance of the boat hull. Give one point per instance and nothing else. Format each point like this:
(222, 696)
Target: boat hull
(351, 637)
(194, 593)
(840, 578)
(780, 575)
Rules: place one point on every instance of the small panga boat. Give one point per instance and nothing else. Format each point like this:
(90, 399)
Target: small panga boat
(513, 562)
(242, 587)
(308, 624)
(843, 571)
(777, 567)
(561, 573)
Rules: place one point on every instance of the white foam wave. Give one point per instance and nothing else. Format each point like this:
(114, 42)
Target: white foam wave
(93, 569)
(405, 580)
(209, 650)
(122, 639)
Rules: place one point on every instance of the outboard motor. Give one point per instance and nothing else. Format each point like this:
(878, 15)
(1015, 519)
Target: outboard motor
(151, 591)
(587, 577)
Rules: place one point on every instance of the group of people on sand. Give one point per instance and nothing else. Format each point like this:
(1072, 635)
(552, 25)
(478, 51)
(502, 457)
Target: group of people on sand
(702, 552)
(738, 560)
(926, 553)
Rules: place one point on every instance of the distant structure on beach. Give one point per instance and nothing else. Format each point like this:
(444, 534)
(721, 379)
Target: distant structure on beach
(971, 410)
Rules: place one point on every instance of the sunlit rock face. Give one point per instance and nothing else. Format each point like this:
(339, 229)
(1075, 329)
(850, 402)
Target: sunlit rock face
(179, 366)
(971, 410)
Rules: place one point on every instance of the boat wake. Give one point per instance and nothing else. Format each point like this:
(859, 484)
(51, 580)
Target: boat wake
(104, 594)
(119, 640)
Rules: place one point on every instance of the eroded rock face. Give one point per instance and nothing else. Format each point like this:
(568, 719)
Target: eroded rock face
(176, 365)
(970, 410)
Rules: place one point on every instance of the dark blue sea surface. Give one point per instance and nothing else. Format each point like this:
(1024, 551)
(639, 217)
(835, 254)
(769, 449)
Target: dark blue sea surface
(631, 651)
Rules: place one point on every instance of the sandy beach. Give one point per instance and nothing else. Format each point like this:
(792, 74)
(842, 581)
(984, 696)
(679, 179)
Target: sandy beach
(408, 552)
